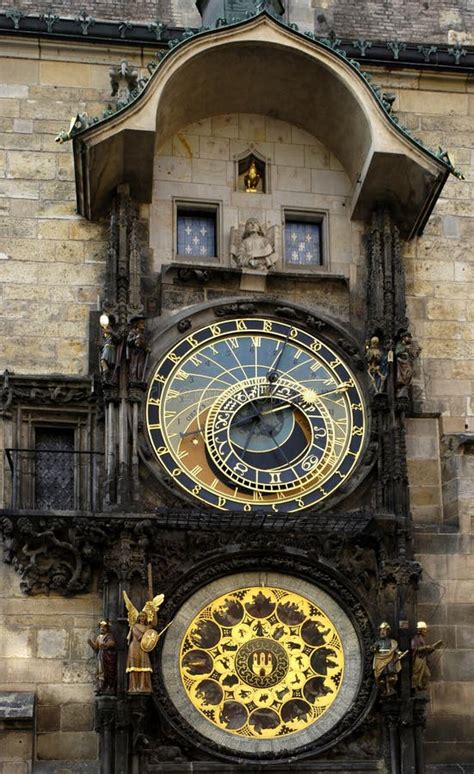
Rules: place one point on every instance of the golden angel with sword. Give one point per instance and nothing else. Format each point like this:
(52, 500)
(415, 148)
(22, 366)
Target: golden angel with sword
(142, 638)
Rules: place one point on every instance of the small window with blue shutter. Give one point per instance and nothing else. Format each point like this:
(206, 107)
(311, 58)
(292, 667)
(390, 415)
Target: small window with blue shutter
(303, 240)
(196, 232)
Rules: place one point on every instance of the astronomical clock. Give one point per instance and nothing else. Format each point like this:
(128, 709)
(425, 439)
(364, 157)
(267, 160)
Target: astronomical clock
(235, 460)
(252, 413)
(256, 413)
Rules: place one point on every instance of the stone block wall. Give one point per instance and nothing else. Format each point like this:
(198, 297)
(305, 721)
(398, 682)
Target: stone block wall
(44, 649)
(440, 286)
(406, 20)
(51, 259)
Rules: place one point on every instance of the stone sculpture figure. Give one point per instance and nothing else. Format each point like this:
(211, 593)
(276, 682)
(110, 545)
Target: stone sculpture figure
(420, 670)
(139, 667)
(406, 352)
(106, 658)
(108, 352)
(377, 364)
(386, 663)
(136, 351)
(252, 247)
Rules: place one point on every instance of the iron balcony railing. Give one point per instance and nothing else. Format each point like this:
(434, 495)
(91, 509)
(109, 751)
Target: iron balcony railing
(55, 479)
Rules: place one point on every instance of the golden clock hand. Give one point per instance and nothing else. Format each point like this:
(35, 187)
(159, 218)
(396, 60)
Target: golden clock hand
(255, 416)
(240, 422)
(311, 395)
(274, 410)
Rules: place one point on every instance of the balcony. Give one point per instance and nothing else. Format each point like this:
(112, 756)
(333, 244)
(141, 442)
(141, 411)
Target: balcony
(55, 479)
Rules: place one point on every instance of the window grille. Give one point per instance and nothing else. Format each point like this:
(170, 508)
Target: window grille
(303, 242)
(54, 469)
(196, 237)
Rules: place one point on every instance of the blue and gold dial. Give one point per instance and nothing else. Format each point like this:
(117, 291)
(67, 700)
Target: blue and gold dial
(255, 414)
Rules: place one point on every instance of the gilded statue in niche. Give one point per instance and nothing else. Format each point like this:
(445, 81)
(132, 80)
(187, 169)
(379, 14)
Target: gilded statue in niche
(253, 247)
(252, 178)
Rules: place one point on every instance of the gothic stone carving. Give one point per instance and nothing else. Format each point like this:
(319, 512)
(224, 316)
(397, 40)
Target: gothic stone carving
(253, 247)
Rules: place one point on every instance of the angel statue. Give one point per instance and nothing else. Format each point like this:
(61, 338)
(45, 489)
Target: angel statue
(142, 638)
(251, 247)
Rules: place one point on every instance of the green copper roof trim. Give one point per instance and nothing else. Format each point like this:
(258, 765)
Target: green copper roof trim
(82, 122)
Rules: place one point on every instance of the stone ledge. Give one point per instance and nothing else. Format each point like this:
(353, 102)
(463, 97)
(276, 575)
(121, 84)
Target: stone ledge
(203, 273)
(324, 767)
(72, 767)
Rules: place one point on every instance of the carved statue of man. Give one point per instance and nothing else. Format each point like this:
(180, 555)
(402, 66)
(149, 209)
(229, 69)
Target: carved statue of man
(420, 670)
(105, 648)
(136, 351)
(108, 353)
(254, 249)
(406, 352)
(386, 663)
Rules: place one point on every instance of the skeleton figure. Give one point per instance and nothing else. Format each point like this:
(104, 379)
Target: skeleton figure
(139, 668)
(377, 364)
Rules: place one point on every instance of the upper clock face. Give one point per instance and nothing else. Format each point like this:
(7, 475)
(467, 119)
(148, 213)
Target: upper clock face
(255, 414)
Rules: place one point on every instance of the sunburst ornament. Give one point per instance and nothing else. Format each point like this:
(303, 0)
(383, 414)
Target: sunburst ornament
(309, 395)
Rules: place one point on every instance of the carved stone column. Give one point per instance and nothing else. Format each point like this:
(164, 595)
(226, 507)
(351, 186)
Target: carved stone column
(123, 371)
(106, 707)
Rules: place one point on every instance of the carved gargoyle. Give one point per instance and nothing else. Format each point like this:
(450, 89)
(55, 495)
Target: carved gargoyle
(123, 80)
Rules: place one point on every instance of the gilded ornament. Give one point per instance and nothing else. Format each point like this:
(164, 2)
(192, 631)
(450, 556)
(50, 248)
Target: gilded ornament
(420, 670)
(141, 624)
(262, 662)
(252, 178)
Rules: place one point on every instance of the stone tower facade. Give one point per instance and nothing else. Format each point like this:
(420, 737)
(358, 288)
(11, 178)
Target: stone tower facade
(338, 111)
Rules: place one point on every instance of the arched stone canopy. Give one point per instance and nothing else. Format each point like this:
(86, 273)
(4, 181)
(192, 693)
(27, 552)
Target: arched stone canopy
(261, 66)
